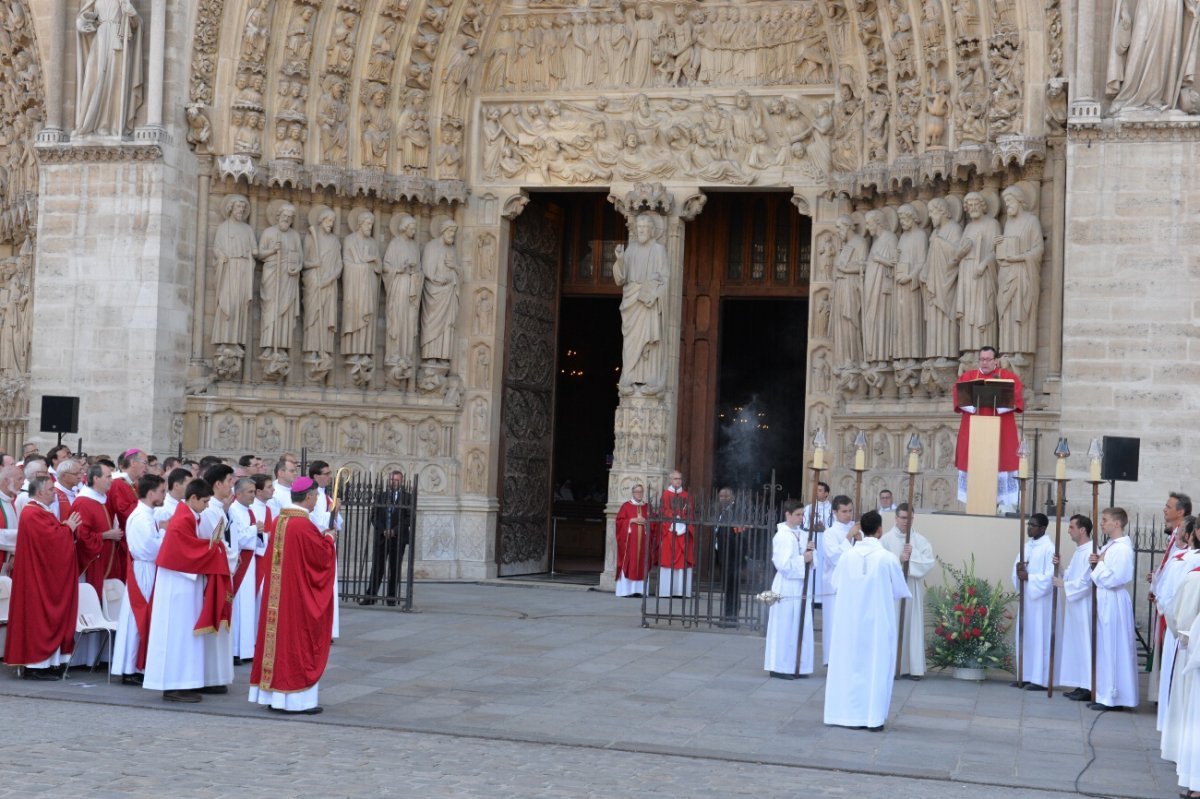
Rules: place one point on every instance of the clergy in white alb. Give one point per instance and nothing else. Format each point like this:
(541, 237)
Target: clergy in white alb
(837, 540)
(247, 539)
(1038, 576)
(1175, 510)
(792, 555)
(1116, 641)
(1183, 561)
(143, 536)
(1184, 734)
(177, 481)
(215, 523)
(326, 518)
(862, 661)
(10, 482)
(285, 474)
(1074, 653)
(815, 521)
(919, 554)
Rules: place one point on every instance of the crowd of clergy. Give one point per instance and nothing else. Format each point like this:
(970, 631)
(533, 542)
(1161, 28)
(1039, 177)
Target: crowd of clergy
(221, 564)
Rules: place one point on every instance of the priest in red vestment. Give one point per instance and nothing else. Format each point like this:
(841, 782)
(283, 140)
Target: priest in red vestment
(296, 620)
(99, 540)
(676, 552)
(45, 590)
(989, 369)
(122, 494)
(631, 544)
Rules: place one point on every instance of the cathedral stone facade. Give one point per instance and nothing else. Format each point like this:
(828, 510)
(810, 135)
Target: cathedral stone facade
(267, 225)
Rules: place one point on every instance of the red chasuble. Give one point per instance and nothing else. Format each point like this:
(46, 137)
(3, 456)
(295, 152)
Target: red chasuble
(45, 590)
(675, 551)
(1008, 421)
(631, 541)
(262, 563)
(122, 500)
(183, 551)
(296, 619)
(93, 552)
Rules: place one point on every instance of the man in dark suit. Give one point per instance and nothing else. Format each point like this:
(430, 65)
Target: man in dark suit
(391, 521)
(731, 551)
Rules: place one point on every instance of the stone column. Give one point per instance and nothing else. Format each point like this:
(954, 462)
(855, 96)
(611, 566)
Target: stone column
(153, 130)
(1085, 109)
(52, 132)
(645, 424)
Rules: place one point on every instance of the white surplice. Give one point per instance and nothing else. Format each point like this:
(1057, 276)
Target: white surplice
(175, 654)
(1156, 655)
(862, 660)
(218, 646)
(1180, 616)
(833, 544)
(1116, 642)
(820, 521)
(164, 512)
(1188, 749)
(1075, 651)
(143, 537)
(243, 623)
(783, 620)
(912, 654)
(320, 517)
(1039, 563)
(1165, 584)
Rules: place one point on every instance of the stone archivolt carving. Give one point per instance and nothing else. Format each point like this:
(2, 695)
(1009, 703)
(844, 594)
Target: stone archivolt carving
(108, 56)
(21, 114)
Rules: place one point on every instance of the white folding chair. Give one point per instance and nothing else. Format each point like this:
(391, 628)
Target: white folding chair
(91, 620)
(5, 594)
(114, 597)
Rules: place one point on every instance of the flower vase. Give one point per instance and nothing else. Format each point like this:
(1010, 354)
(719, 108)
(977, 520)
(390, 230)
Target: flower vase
(964, 673)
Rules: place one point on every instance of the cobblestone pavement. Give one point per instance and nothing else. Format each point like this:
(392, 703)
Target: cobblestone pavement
(514, 691)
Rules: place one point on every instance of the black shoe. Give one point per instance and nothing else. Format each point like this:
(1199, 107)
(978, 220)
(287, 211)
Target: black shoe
(913, 677)
(133, 679)
(190, 697)
(214, 689)
(1113, 708)
(43, 675)
(875, 729)
(779, 675)
(366, 601)
(1017, 684)
(1079, 695)
(312, 711)
(391, 603)
(1030, 686)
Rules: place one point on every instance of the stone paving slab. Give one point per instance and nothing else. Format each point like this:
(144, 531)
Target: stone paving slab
(540, 667)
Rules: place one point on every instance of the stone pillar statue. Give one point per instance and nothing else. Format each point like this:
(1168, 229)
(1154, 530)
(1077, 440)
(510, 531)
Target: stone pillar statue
(234, 250)
(402, 285)
(976, 310)
(940, 281)
(641, 271)
(439, 304)
(322, 268)
(848, 295)
(878, 305)
(108, 67)
(361, 268)
(1152, 54)
(908, 347)
(282, 252)
(1019, 256)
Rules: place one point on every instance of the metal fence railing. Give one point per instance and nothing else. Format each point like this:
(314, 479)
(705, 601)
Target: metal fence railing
(375, 553)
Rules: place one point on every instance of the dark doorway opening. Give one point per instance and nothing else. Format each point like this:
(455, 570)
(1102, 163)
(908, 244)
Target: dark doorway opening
(589, 362)
(760, 394)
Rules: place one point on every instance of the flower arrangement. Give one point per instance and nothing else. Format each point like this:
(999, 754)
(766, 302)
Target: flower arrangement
(971, 621)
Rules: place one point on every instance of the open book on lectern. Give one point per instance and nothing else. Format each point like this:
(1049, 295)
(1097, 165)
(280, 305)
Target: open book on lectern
(992, 392)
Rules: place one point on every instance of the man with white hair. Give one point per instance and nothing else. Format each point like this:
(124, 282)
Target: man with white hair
(34, 467)
(10, 484)
(66, 486)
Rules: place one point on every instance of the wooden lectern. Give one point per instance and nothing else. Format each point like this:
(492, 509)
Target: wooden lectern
(983, 439)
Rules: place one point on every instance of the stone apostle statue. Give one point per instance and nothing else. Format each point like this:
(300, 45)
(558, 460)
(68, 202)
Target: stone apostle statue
(322, 268)
(848, 294)
(282, 252)
(108, 67)
(977, 275)
(439, 294)
(940, 280)
(361, 268)
(1019, 255)
(234, 251)
(641, 271)
(909, 342)
(402, 284)
(1152, 54)
(878, 285)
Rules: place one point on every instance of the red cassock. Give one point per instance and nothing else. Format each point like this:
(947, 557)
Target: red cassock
(296, 620)
(45, 590)
(675, 551)
(262, 563)
(1008, 421)
(122, 500)
(98, 559)
(631, 541)
(184, 551)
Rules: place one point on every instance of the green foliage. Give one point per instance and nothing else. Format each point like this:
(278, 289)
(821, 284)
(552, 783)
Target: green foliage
(971, 621)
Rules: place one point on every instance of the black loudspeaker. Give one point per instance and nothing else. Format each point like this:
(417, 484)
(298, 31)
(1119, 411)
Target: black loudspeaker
(1120, 459)
(60, 414)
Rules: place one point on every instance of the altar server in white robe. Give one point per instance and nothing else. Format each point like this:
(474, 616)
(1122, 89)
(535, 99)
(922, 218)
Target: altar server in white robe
(322, 474)
(815, 522)
(1116, 641)
(214, 521)
(862, 662)
(1179, 616)
(177, 480)
(1183, 561)
(919, 554)
(1038, 576)
(246, 537)
(792, 552)
(1185, 735)
(834, 542)
(1175, 510)
(143, 536)
(1075, 652)
(285, 474)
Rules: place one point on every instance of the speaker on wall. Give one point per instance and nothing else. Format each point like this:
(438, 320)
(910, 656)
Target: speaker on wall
(1120, 458)
(60, 414)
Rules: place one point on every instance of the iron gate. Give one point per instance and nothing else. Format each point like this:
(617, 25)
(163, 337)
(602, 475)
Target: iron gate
(727, 548)
(375, 552)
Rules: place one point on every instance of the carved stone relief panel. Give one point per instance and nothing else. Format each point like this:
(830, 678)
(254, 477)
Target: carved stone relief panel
(22, 112)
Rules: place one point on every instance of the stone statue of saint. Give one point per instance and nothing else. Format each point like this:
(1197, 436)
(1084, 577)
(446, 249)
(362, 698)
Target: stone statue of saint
(282, 252)
(641, 271)
(976, 310)
(108, 71)
(439, 294)
(361, 267)
(909, 342)
(322, 268)
(402, 284)
(234, 250)
(848, 294)
(878, 283)
(940, 280)
(1151, 54)
(1019, 258)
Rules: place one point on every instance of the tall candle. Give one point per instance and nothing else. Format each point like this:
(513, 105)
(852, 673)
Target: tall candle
(1060, 470)
(1023, 468)
(860, 461)
(818, 459)
(1094, 470)
(912, 463)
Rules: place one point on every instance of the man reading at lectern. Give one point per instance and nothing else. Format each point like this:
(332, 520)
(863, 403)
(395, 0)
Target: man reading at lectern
(1006, 479)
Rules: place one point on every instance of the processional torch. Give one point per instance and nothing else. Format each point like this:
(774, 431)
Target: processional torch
(860, 466)
(1095, 455)
(914, 458)
(1022, 478)
(818, 464)
(1062, 452)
